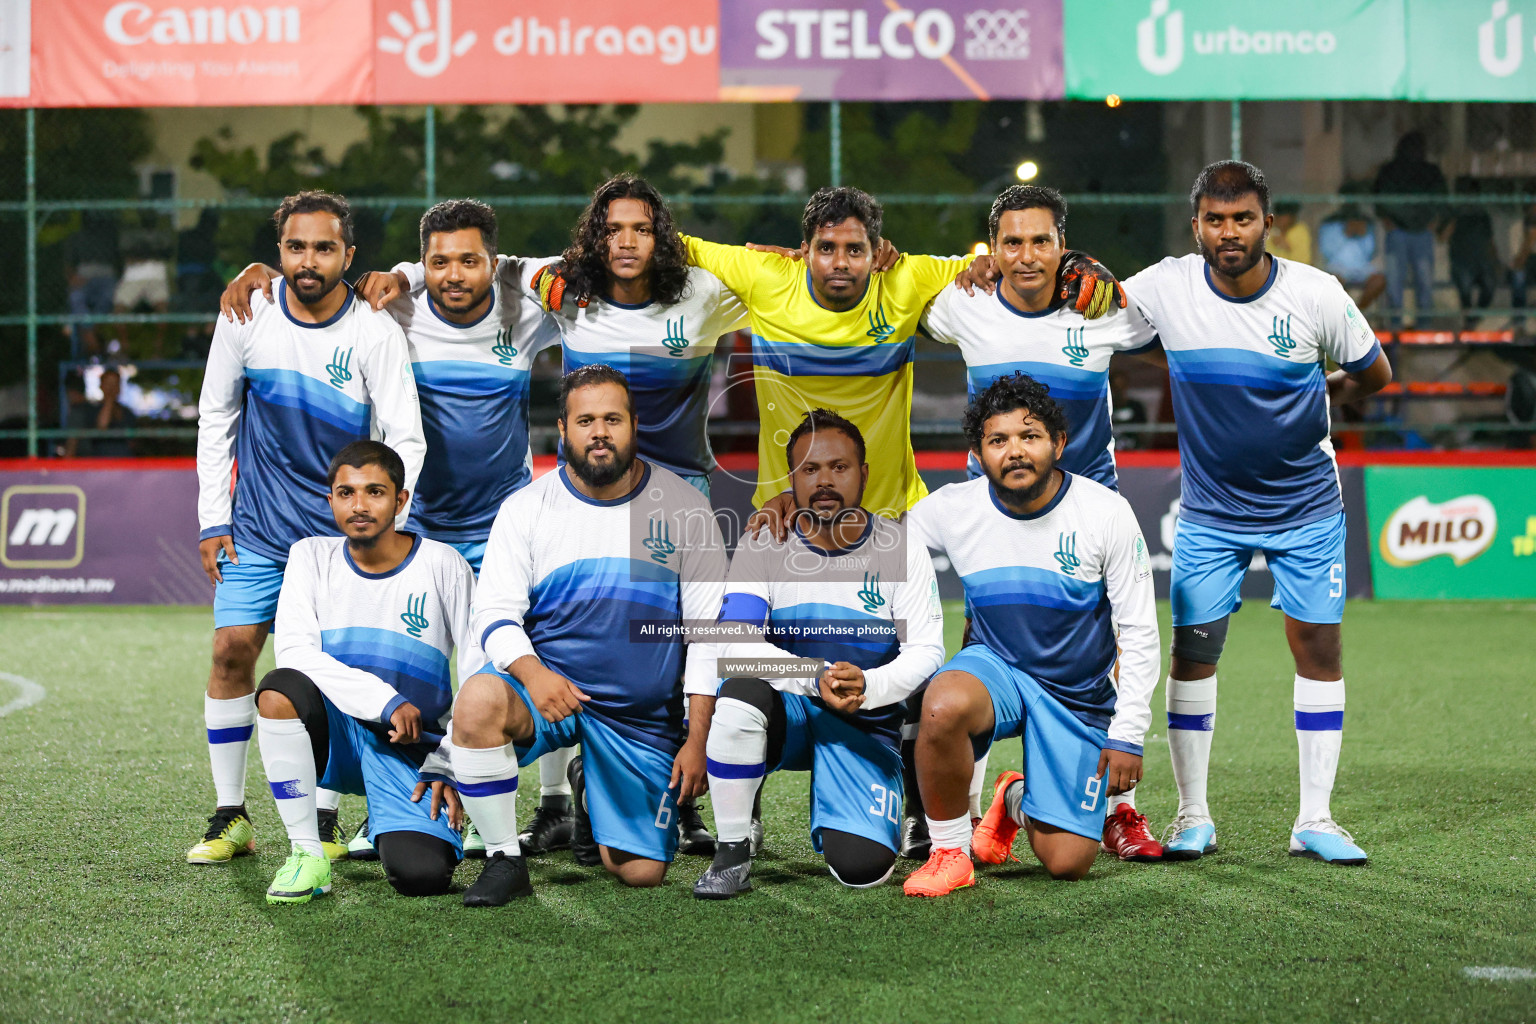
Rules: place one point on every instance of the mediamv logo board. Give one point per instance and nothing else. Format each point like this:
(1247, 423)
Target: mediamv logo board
(1452, 533)
(1196, 49)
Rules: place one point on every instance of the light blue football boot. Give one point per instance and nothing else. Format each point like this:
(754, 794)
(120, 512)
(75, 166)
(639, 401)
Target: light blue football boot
(1189, 838)
(1322, 839)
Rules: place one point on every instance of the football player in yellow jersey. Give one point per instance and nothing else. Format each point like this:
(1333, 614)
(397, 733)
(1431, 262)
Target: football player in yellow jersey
(830, 332)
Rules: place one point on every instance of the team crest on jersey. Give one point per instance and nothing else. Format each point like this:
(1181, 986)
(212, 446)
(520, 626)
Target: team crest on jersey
(503, 350)
(340, 367)
(659, 542)
(879, 328)
(869, 593)
(415, 614)
(1280, 336)
(675, 341)
(1075, 351)
(1066, 553)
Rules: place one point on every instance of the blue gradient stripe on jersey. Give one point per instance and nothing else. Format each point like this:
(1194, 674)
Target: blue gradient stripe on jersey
(296, 391)
(804, 359)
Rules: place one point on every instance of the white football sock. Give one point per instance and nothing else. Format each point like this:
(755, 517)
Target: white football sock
(978, 783)
(1129, 799)
(553, 780)
(289, 759)
(737, 752)
(229, 723)
(1191, 724)
(487, 785)
(327, 799)
(954, 834)
(1319, 735)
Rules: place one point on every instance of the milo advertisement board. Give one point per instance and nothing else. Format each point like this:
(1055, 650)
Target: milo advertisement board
(1452, 533)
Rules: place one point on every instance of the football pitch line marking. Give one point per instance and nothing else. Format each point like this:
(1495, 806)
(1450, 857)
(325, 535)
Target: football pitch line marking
(31, 693)
(1500, 973)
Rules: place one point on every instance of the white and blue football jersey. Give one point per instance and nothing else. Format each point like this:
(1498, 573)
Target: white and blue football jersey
(1064, 594)
(1058, 348)
(599, 592)
(280, 398)
(373, 641)
(473, 380)
(1249, 389)
(874, 604)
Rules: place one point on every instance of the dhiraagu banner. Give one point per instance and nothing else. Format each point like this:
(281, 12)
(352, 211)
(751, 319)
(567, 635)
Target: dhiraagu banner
(1452, 533)
(1237, 49)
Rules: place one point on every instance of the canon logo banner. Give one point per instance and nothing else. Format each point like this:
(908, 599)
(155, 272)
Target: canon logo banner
(135, 24)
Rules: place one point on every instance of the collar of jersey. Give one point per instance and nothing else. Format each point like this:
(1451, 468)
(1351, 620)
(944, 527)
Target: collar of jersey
(812, 293)
(432, 305)
(415, 547)
(1274, 270)
(1016, 311)
(625, 305)
(282, 301)
(645, 477)
(869, 528)
(1066, 481)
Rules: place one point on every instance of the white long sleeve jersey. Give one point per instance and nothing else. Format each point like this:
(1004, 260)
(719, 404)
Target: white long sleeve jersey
(874, 604)
(598, 591)
(372, 642)
(1050, 591)
(282, 397)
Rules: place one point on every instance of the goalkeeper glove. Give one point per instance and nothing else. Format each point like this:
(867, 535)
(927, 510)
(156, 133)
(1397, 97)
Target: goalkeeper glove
(1088, 285)
(549, 282)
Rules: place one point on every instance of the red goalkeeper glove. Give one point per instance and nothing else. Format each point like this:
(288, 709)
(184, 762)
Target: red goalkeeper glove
(1088, 285)
(549, 282)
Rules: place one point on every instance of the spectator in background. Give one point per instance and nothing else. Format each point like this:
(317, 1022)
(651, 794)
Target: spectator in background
(1410, 242)
(146, 277)
(1474, 260)
(108, 414)
(1289, 238)
(1125, 412)
(1523, 266)
(90, 259)
(1346, 242)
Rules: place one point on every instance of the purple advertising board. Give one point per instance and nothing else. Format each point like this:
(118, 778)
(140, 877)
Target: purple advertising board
(100, 536)
(884, 50)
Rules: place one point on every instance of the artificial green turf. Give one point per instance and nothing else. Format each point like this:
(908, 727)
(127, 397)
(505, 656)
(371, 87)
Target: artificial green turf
(105, 784)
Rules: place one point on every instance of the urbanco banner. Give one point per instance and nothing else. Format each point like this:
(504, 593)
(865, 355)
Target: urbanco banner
(1475, 50)
(520, 51)
(126, 53)
(1217, 49)
(884, 50)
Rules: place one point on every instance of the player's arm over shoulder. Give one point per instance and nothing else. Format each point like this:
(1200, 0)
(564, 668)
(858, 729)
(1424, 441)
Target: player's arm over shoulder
(927, 275)
(737, 267)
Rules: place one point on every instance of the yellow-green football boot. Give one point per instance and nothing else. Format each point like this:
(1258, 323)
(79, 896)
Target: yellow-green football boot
(333, 838)
(229, 835)
(302, 877)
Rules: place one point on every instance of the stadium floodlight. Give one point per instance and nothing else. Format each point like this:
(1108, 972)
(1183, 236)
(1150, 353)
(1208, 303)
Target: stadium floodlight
(980, 249)
(1027, 170)
(1112, 100)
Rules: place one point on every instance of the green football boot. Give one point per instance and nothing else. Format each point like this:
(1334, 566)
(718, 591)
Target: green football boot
(229, 835)
(302, 877)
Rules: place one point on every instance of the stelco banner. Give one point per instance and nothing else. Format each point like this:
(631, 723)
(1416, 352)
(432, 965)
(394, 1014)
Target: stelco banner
(1452, 533)
(934, 49)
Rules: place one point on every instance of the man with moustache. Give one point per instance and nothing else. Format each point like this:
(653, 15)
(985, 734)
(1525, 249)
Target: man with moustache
(591, 573)
(366, 630)
(846, 590)
(1063, 651)
(302, 378)
(1246, 334)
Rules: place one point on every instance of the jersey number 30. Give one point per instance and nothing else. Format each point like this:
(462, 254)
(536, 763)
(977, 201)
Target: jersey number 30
(887, 803)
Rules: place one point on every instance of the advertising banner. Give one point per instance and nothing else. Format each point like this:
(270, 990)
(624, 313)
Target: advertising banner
(1479, 50)
(521, 51)
(874, 50)
(100, 537)
(1452, 533)
(1215, 49)
(15, 50)
(128, 53)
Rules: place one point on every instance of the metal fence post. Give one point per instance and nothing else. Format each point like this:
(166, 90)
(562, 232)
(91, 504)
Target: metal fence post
(431, 154)
(837, 142)
(31, 283)
(1237, 129)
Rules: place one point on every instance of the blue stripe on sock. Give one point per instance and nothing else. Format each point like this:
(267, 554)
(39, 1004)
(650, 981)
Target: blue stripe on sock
(495, 787)
(287, 790)
(721, 770)
(238, 734)
(1320, 721)
(1193, 723)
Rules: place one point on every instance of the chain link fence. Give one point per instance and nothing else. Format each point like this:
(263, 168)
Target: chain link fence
(114, 267)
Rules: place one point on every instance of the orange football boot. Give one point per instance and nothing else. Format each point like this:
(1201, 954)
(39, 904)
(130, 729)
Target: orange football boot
(992, 842)
(946, 871)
